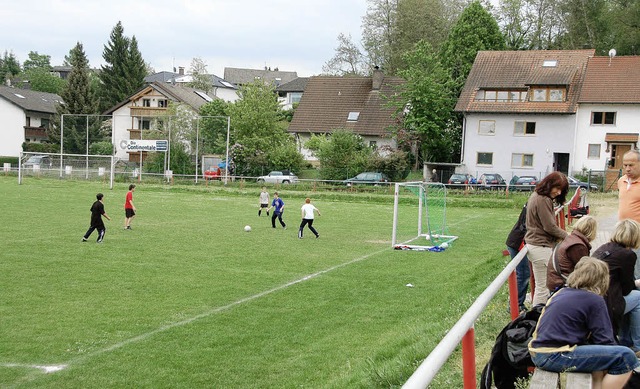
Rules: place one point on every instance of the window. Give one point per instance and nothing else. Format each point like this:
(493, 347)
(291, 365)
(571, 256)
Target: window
(44, 123)
(524, 128)
(521, 160)
(295, 97)
(603, 118)
(144, 124)
(163, 103)
(485, 159)
(353, 116)
(594, 151)
(146, 102)
(550, 63)
(547, 94)
(501, 96)
(28, 121)
(487, 127)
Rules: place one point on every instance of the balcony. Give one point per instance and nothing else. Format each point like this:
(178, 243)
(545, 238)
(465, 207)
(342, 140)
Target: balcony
(147, 111)
(35, 133)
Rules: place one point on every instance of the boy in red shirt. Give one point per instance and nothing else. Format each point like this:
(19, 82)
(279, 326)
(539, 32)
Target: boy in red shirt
(129, 208)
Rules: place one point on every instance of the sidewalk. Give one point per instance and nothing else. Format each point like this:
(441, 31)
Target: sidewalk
(606, 225)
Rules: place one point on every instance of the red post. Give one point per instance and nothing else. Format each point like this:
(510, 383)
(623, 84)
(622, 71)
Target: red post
(469, 360)
(513, 295)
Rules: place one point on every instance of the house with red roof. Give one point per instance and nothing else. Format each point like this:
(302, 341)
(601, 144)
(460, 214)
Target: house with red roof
(358, 104)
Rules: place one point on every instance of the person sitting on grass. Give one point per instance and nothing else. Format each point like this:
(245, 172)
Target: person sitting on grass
(567, 254)
(574, 331)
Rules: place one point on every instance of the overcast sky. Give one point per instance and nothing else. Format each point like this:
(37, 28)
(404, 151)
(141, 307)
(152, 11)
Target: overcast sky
(293, 35)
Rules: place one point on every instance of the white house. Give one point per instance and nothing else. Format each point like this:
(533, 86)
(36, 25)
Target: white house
(608, 117)
(220, 88)
(521, 113)
(140, 111)
(26, 115)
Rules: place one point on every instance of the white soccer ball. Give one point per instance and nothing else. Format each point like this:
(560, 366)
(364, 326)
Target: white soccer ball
(427, 237)
(247, 228)
(444, 245)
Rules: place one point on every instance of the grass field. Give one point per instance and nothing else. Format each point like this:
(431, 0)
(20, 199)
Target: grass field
(188, 299)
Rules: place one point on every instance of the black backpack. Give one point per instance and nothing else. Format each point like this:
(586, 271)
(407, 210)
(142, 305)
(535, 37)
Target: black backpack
(510, 358)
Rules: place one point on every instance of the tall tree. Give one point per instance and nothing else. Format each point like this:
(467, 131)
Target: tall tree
(124, 71)
(78, 100)
(475, 30)
(36, 60)
(428, 129)
(348, 60)
(587, 25)
(378, 31)
(260, 135)
(9, 66)
(200, 79)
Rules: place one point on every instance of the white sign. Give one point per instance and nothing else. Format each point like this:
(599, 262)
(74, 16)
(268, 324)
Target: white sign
(144, 145)
(7, 167)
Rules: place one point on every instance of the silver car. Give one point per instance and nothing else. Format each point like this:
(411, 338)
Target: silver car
(279, 177)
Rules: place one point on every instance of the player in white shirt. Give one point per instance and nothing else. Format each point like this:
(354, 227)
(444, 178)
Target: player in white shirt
(307, 212)
(264, 201)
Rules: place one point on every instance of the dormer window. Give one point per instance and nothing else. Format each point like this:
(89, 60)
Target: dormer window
(547, 94)
(353, 116)
(550, 63)
(501, 96)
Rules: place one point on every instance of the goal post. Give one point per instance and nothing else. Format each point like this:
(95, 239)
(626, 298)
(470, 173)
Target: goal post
(66, 166)
(419, 217)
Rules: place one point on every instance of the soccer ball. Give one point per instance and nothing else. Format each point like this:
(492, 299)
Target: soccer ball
(427, 237)
(444, 245)
(247, 228)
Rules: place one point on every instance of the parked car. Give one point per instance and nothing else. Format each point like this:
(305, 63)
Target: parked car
(279, 177)
(214, 173)
(370, 178)
(458, 180)
(491, 181)
(526, 183)
(575, 183)
(44, 161)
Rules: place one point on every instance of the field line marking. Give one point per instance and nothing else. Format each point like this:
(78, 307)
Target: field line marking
(205, 314)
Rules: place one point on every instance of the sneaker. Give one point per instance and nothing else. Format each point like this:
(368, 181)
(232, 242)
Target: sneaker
(317, 236)
(84, 239)
(285, 227)
(99, 241)
(128, 228)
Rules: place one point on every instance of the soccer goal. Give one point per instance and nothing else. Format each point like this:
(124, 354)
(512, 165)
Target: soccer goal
(66, 166)
(419, 217)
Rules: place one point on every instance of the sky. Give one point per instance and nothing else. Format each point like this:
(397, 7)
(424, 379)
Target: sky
(292, 35)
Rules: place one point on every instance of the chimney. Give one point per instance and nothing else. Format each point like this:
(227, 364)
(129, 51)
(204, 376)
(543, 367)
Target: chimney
(181, 70)
(377, 76)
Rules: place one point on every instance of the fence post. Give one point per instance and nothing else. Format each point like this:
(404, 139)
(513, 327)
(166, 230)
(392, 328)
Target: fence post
(513, 295)
(469, 359)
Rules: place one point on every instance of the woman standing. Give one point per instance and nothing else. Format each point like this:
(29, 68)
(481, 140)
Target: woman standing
(542, 231)
(623, 300)
(567, 254)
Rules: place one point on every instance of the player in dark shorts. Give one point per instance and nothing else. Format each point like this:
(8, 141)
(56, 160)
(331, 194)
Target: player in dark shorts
(129, 208)
(97, 211)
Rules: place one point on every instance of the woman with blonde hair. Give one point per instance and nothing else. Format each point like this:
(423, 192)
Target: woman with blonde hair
(566, 255)
(574, 330)
(623, 300)
(542, 230)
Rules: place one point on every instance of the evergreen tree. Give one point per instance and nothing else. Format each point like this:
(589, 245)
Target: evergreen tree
(124, 72)
(9, 67)
(78, 99)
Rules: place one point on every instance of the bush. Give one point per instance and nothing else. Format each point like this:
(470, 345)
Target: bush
(101, 148)
(394, 164)
(41, 147)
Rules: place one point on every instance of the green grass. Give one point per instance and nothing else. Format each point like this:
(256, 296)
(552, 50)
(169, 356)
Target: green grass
(187, 299)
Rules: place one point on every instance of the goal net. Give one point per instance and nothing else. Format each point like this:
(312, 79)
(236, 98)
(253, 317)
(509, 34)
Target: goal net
(419, 217)
(66, 166)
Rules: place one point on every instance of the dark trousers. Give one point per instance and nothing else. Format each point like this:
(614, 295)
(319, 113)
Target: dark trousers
(308, 222)
(279, 216)
(522, 276)
(101, 231)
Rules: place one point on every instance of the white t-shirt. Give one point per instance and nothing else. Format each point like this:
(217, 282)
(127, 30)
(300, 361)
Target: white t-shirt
(264, 197)
(308, 211)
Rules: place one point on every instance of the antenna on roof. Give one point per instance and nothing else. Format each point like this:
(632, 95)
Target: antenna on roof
(612, 53)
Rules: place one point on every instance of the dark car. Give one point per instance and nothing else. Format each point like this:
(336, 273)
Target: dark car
(491, 181)
(575, 183)
(458, 180)
(526, 183)
(371, 178)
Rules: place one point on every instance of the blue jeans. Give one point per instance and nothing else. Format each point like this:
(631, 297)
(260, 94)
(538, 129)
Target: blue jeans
(589, 358)
(522, 275)
(630, 326)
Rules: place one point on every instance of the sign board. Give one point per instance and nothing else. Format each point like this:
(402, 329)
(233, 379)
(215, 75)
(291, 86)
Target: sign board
(134, 145)
(7, 167)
